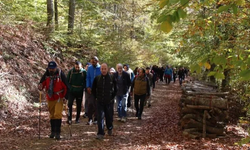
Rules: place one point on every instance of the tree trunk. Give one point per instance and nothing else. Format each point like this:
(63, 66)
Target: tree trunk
(71, 16)
(56, 15)
(50, 15)
(225, 82)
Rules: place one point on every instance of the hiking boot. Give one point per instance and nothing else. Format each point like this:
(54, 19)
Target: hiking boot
(58, 137)
(52, 135)
(136, 114)
(110, 132)
(90, 122)
(85, 116)
(139, 117)
(77, 121)
(119, 119)
(124, 119)
(95, 121)
(99, 137)
(149, 105)
(69, 122)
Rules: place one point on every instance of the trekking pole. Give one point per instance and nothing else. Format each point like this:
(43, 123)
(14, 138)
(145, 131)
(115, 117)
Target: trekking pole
(40, 102)
(69, 123)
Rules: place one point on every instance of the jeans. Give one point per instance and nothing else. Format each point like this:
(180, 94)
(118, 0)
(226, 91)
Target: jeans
(140, 98)
(107, 111)
(180, 80)
(122, 105)
(78, 98)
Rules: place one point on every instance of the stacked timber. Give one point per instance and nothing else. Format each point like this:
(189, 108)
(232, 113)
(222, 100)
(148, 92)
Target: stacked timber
(203, 110)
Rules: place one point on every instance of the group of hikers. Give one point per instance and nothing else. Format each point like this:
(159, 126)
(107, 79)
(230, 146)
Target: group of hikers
(100, 87)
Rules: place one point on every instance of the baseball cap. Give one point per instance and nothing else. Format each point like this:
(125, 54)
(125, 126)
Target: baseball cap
(52, 65)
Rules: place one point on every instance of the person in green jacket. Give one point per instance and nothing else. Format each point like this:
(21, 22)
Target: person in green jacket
(77, 80)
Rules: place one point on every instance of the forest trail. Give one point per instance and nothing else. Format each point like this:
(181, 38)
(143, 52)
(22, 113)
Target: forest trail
(158, 129)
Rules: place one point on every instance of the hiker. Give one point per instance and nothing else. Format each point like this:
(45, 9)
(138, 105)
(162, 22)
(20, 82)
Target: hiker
(104, 91)
(150, 77)
(77, 80)
(55, 83)
(132, 76)
(84, 95)
(181, 75)
(140, 89)
(174, 74)
(168, 74)
(93, 71)
(123, 83)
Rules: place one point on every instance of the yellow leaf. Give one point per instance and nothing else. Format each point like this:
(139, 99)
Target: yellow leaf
(207, 65)
(200, 64)
(166, 27)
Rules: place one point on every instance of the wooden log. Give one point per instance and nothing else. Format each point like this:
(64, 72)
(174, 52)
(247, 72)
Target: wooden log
(204, 124)
(207, 93)
(195, 124)
(186, 110)
(205, 101)
(198, 107)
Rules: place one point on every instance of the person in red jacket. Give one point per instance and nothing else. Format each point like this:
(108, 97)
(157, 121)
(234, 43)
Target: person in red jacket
(56, 89)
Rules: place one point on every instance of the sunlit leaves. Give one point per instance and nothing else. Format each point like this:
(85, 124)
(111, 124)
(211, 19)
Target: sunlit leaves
(163, 3)
(184, 2)
(166, 27)
(223, 8)
(195, 68)
(235, 9)
(245, 75)
(182, 13)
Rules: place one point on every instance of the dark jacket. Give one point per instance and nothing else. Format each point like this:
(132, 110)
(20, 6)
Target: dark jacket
(126, 81)
(137, 86)
(104, 88)
(77, 80)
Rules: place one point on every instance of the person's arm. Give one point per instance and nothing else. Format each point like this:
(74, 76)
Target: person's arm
(88, 81)
(84, 79)
(148, 87)
(94, 86)
(132, 85)
(115, 87)
(64, 80)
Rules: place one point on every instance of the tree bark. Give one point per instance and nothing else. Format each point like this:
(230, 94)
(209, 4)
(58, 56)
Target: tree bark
(56, 14)
(50, 12)
(71, 16)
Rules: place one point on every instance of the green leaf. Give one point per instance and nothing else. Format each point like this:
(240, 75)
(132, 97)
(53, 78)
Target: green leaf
(195, 68)
(163, 3)
(162, 18)
(223, 8)
(184, 2)
(173, 1)
(245, 75)
(219, 75)
(235, 9)
(220, 60)
(212, 73)
(182, 13)
(175, 17)
(166, 26)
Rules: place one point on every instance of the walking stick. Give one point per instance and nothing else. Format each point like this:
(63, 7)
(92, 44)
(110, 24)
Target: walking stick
(69, 123)
(40, 99)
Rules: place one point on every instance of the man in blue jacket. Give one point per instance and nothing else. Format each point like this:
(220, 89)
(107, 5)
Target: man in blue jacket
(93, 71)
(168, 74)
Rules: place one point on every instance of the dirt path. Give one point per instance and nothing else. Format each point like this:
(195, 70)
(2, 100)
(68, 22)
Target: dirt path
(158, 129)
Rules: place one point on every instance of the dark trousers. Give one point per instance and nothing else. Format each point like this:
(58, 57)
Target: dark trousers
(78, 98)
(91, 106)
(140, 98)
(107, 111)
(168, 78)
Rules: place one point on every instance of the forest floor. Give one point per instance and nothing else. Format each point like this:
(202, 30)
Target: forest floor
(158, 129)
